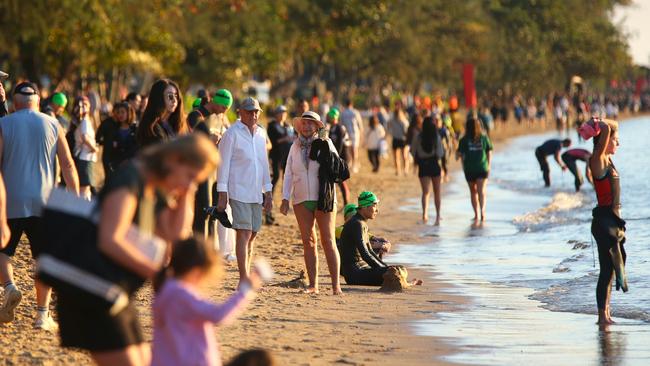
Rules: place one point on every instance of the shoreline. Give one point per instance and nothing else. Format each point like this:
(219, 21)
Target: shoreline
(362, 327)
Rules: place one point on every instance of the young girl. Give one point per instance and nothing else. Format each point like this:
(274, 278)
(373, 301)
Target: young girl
(183, 320)
(85, 151)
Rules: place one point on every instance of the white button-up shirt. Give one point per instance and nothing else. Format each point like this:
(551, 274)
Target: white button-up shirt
(244, 171)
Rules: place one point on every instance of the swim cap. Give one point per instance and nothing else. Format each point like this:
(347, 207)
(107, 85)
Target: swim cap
(333, 113)
(223, 98)
(60, 99)
(349, 209)
(196, 103)
(367, 199)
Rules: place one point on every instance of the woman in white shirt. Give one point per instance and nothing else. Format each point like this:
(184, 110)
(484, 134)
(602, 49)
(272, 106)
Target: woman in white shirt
(85, 149)
(374, 137)
(301, 186)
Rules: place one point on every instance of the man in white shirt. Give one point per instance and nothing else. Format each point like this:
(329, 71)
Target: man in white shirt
(244, 180)
(351, 119)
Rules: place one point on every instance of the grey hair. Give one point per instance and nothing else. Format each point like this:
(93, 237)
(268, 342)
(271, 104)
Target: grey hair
(22, 101)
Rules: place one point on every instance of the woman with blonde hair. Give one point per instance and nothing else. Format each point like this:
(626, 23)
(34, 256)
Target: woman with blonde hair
(301, 185)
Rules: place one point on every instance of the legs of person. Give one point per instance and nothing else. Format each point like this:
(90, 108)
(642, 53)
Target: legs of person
(134, 355)
(426, 189)
(242, 250)
(436, 197)
(473, 196)
(305, 219)
(398, 158)
(605, 277)
(326, 222)
(345, 192)
(481, 185)
(543, 165)
(275, 166)
(573, 168)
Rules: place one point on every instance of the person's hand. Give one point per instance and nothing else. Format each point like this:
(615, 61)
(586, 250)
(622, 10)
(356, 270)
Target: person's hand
(3, 95)
(216, 138)
(284, 207)
(222, 201)
(268, 202)
(564, 168)
(5, 234)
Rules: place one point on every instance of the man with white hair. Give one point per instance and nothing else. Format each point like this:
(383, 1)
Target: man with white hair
(30, 142)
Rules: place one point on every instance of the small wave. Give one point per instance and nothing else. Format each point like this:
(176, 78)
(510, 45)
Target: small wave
(557, 212)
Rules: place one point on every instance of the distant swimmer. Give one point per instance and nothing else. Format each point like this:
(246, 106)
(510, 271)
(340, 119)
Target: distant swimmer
(607, 227)
(550, 147)
(570, 157)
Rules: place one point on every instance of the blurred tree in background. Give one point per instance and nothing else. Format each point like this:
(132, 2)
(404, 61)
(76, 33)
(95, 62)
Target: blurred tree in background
(530, 45)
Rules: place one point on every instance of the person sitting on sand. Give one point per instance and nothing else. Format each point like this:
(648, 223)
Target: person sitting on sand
(379, 245)
(359, 263)
(550, 147)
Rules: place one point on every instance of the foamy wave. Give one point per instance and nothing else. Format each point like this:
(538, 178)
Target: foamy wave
(557, 212)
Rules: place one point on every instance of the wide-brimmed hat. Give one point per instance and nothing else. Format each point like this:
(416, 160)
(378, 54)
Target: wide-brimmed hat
(308, 116)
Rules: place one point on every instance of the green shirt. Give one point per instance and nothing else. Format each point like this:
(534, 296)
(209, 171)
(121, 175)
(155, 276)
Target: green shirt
(475, 153)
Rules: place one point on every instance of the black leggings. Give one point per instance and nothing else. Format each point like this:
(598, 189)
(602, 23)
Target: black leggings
(373, 156)
(365, 276)
(543, 165)
(570, 162)
(277, 164)
(605, 241)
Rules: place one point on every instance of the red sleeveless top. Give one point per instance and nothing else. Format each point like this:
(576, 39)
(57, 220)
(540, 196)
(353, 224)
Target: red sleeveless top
(607, 188)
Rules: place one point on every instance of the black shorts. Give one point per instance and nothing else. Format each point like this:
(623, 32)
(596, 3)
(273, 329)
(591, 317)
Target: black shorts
(85, 172)
(474, 176)
(398, 144)
(31, 226)
(429, 167)
(91, 328)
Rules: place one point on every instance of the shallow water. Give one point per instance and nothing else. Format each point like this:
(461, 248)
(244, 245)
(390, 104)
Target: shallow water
(535, 253)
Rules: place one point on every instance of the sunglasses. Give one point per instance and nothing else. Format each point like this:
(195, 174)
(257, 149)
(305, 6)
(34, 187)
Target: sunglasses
(172, 97)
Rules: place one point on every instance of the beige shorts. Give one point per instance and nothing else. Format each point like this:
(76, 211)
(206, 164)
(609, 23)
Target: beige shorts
(246, 216)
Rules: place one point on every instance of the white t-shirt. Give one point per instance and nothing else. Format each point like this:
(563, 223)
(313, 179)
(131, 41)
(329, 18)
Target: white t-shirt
(82, 151)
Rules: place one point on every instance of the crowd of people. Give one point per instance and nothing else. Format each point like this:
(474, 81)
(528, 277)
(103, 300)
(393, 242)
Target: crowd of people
(204, 186)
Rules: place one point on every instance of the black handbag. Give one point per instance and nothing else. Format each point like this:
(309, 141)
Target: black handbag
(71, 262)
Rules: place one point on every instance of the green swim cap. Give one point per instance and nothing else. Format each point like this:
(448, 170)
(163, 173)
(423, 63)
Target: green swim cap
(60, 99)
(333, 113)
(367, 199)
(223, 98)
(196, 103)
(349, 209)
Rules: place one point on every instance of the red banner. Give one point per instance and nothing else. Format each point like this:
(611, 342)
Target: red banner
(470, 88)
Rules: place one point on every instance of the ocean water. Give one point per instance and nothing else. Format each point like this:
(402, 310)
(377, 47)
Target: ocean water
(530, 271)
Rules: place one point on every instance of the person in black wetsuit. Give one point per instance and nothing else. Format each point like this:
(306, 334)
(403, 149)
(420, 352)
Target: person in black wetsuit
(570, 157)
(550, 147)
(341, 140)
(360, 265)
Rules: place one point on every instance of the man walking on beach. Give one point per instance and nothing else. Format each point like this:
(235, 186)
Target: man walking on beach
(244, 180)
(550, 147)
(351, 119)
(30, 142)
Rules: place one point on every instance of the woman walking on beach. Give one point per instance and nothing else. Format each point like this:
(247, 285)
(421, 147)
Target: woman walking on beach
(607, 227)
(301, 185)
(475, 151)
(427, 149)
(397, 127)
(374, 137)
(136, 194)
(164, 116)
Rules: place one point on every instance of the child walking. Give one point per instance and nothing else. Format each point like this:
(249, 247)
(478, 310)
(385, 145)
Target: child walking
(183, 320)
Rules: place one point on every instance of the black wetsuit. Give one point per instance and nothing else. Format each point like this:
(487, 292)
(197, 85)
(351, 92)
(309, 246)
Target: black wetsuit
(359, 263)
(550, 147)
(570, 157)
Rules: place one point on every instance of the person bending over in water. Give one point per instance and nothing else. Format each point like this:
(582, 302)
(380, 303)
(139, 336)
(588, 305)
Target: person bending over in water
(607, 227)
(550, 147)
(359, 263)
(380, 246)
(570, 157)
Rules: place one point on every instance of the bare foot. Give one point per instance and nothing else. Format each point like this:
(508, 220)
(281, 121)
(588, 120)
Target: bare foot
(337, 292)
(482, 216)
(437, 223)
(417, 282)
(310, 291)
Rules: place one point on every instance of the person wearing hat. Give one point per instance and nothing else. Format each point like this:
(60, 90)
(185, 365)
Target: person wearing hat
(281, 140)
(301, 186)
(30, 142)
(360, 265)
(338, 134)
(55, 108)
(244, 180)
(380, 245)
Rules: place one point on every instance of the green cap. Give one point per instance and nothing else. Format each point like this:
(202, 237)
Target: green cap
(349, 209)
(60, 99)
(333, 113)
(223, 98)
(196, 103)
(367, 199)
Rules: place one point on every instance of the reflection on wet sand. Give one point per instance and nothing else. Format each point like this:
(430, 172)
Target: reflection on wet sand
(612, 346)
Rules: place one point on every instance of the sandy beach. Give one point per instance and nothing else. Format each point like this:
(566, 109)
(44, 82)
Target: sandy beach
(363, 327)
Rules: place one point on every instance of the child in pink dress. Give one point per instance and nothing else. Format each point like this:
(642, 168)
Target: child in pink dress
(184, 321)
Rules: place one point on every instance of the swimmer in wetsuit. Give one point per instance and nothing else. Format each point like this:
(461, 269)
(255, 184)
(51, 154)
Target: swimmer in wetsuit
(550, 147)
(607, 227)
(570, 157)
(379, 245)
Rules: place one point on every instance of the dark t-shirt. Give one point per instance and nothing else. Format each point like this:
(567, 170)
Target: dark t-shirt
(277, 131)
(338, 134)
(550, 147)
(105, 136)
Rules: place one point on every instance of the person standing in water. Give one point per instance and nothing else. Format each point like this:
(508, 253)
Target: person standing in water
(550, 147)
(607, 227)
(475, 150)
(570, 157)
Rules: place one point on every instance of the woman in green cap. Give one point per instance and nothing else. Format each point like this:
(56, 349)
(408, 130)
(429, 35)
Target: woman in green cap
(301, 185)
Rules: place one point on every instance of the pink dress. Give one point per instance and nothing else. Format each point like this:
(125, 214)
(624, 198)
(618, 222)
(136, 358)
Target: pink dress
(184, 325)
